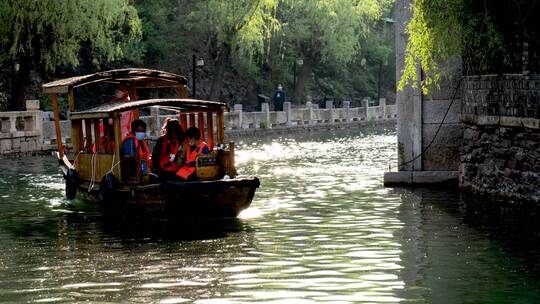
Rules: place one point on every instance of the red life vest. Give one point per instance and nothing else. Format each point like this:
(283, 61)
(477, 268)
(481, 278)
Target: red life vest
(191, 156)
(165, 162)
(141, 147)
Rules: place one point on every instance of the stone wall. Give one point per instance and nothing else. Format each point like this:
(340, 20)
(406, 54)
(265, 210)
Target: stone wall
(501, 161)
(500, 155)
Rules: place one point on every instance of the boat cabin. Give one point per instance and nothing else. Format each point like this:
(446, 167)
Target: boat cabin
(90, 128)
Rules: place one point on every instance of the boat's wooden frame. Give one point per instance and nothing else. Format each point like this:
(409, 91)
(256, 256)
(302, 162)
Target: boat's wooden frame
(85, 169)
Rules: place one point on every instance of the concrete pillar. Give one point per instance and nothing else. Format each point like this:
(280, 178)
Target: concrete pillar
(408, 100)
(154, 113)
(346, 107)
(238, 109)
(382, 103)
(309, 107)
(288, 112)
(265, 108)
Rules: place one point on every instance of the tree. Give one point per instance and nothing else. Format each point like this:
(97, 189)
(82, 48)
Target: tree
(46, 35)
(321, 31)
(442, 29)
(239, 28)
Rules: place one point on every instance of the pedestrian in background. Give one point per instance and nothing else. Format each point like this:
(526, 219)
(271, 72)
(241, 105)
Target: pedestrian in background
(279, 98)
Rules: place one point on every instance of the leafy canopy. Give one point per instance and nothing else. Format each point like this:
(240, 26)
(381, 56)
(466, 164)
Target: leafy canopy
(442, 29)
(245, 26)
(330, 30)
(51, 33)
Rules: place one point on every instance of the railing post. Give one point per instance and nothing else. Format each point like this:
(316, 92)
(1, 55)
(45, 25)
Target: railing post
(309, 107)
(330, 108)
(288, 112)
(382, 103)
(13, 123)
(238, 109)
(346, 107)
(265, 108)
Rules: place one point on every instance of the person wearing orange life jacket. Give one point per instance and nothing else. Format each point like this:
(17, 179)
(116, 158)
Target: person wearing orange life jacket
(169, 150)
(195, 148)
(134, 144)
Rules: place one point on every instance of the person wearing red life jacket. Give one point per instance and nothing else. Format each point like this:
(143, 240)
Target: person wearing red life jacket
(195, 148)
(134, 144)
(169, 150)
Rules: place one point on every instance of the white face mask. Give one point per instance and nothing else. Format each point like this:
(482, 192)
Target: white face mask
(140, 135)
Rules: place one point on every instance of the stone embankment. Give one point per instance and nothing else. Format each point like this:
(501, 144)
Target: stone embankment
(32, 131)
(500, 152)
(501, 161)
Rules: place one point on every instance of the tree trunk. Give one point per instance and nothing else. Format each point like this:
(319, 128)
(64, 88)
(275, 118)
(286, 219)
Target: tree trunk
(217, 81)
(303, 76)
(19, 87)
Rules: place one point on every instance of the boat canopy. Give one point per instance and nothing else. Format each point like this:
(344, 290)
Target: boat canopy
(191, 105)
(144, 78)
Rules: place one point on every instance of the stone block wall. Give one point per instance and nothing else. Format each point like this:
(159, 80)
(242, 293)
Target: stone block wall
(501, 161)
(502, 95)
(500, 154)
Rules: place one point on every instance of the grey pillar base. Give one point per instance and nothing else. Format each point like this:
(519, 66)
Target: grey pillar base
(409, 178)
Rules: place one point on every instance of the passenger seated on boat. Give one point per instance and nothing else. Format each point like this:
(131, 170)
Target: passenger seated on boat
(135, 144)
(169, 151)
(195, 147)
(106, 144)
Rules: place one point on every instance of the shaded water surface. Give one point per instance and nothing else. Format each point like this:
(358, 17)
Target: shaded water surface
(321, 229)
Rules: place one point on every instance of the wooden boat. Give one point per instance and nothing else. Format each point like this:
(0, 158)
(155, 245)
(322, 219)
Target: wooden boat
(115, 180)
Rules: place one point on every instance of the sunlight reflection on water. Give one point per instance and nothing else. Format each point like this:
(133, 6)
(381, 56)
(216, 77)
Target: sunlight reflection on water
(321, 229)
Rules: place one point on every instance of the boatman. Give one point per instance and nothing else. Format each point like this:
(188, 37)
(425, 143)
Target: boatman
(121, 95)
(195, 147)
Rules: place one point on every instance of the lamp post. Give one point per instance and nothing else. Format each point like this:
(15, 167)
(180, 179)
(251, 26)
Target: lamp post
(197, 63)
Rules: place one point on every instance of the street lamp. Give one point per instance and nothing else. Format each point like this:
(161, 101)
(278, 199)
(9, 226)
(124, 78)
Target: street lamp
(299, 62)
(197, 63)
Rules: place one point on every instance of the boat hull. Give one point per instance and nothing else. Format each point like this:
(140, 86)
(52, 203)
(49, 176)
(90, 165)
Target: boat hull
(219, 198)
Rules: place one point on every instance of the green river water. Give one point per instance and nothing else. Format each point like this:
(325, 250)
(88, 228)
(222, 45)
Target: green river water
(321, 229)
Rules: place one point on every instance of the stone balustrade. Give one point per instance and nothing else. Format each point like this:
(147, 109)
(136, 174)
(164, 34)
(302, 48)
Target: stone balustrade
(28, 131)
(21, 131)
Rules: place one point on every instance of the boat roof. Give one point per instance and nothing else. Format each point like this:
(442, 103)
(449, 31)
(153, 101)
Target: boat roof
(142, 77)
(105, 110)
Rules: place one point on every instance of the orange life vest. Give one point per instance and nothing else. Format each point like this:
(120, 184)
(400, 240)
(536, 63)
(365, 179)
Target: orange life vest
(191, 156)
(166, 160)
(141, 147)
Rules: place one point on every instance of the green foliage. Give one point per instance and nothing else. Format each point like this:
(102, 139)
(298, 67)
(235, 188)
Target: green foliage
(51, 33)
(330, 30)
(442, 29)
(244, 26)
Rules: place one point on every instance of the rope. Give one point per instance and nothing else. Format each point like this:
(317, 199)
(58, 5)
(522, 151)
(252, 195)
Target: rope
(436, 133)
(113, 165)
(93, 180)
